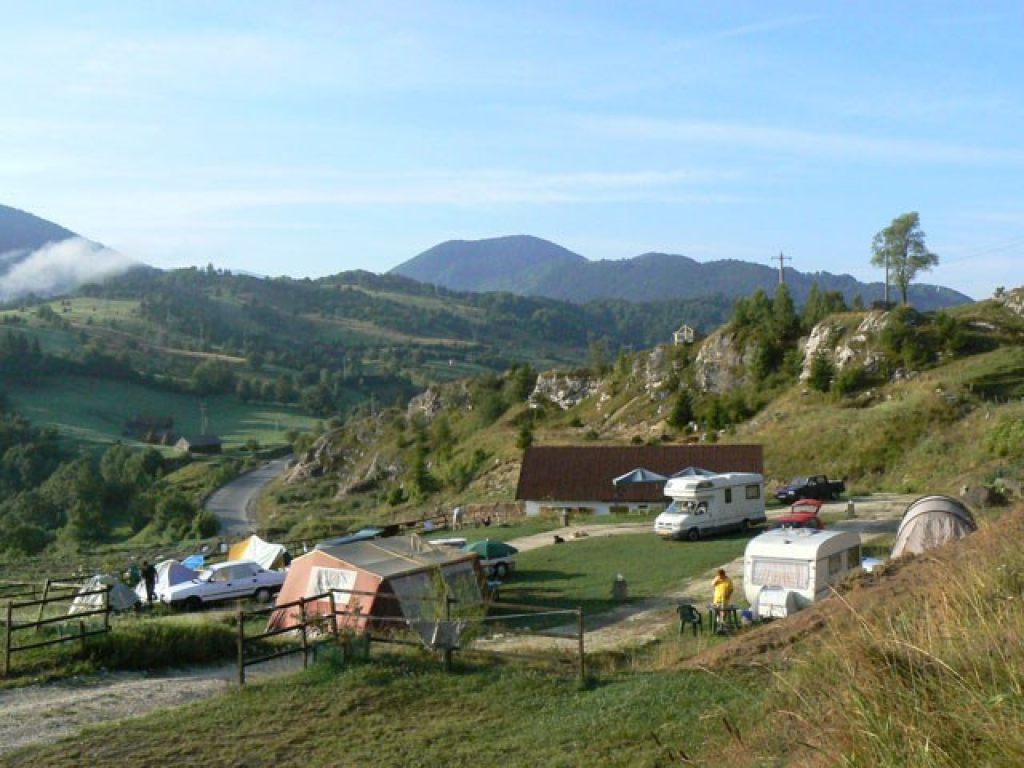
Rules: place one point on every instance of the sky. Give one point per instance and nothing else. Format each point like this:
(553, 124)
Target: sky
(308, 138)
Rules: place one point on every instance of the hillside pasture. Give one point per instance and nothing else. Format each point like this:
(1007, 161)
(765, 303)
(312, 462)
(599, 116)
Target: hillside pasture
(92, 412)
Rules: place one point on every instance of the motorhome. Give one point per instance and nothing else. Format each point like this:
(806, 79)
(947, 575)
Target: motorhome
(705, 503)
(787, 569)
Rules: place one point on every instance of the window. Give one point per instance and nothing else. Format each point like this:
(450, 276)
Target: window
(780, 573)
(835, 564)
(754, 491)
(222, 574)
(728, 495)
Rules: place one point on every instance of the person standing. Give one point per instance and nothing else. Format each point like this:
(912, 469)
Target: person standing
(149, 577)
(456, 518)
(723, 588)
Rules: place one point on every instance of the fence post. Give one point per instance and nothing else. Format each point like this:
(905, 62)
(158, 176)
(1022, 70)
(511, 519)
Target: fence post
(81, 634)
(583, 658)
(7, 639)
(241, 649)
(334, 617)
(106, 608)
(305, 640)
(447, 619)
(42, 605)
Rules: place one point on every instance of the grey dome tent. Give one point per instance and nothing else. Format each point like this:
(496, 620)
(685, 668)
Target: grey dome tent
(931, 521)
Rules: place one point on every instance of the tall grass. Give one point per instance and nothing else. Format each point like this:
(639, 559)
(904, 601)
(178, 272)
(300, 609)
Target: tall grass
(938, 682)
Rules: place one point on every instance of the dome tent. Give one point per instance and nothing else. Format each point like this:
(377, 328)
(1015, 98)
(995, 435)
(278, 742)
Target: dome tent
(931, 521)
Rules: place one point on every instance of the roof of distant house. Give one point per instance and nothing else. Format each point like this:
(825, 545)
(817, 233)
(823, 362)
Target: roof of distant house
(585, 473)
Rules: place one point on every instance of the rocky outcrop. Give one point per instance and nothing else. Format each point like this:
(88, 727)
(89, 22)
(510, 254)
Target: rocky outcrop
(655, 371)
(433, 400)
(842, 346)
(1012, 300)
(721, 363)
(563, 389)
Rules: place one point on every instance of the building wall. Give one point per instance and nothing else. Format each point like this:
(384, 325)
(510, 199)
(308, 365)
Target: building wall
(535, 508)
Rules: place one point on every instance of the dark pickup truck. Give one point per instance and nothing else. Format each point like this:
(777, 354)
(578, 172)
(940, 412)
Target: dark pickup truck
(811, 487)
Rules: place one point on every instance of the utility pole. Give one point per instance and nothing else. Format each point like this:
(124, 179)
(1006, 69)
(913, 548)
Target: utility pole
(781, 258)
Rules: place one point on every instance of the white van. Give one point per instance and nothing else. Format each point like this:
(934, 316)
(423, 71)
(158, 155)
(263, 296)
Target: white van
(704, 503)
(789, 568)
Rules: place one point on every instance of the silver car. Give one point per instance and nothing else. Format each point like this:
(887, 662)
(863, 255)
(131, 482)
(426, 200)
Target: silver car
(231, 580)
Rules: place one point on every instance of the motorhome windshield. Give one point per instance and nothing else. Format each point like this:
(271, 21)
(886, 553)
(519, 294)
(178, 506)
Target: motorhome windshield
(678, 507)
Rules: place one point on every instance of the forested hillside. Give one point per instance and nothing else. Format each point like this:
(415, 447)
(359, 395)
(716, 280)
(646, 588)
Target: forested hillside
(899, 400)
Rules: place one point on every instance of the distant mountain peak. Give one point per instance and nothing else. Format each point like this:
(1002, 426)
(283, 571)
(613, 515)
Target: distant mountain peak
(23, 231)
(488, 264)
(531, 266)
(42, 258)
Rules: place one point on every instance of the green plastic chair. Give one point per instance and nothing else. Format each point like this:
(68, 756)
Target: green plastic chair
(689, 615)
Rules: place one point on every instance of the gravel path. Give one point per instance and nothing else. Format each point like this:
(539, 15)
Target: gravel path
(45, 713)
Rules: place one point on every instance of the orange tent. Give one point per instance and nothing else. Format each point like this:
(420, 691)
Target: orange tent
(403, 578)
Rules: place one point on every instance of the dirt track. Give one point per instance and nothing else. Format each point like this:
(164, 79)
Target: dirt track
(46, 713)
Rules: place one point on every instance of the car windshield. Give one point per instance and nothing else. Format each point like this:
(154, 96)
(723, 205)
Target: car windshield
(799, 480)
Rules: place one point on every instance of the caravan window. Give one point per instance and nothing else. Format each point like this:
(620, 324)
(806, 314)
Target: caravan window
(728, 495)
(835, 564)
(753, 491)
(780, 573)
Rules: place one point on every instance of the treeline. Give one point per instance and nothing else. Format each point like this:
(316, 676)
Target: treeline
(47, 496)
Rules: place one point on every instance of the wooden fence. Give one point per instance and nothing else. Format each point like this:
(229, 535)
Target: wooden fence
(446, 630)
(68, 593)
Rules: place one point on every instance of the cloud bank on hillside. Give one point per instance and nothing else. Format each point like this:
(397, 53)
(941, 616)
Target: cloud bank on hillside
(61, 267)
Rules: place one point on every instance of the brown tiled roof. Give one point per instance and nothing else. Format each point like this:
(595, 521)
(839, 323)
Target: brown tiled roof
(585, 473)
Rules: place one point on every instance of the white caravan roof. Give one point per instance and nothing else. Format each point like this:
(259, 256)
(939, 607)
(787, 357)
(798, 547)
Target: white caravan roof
(690, 484)
(801, 543)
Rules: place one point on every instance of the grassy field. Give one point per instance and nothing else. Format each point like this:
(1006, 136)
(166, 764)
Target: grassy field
(92, 412)
(580, 573)
(406, 712)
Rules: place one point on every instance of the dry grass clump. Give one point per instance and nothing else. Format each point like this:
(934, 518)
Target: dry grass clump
(933, 681)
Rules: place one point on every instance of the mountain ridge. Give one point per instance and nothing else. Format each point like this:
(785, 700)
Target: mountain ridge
(543, 268)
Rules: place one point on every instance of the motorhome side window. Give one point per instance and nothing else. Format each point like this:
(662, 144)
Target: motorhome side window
(728, 495)
(753, 491)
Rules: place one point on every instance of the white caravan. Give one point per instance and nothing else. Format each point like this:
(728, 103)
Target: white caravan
(789, 568)
(704, 503)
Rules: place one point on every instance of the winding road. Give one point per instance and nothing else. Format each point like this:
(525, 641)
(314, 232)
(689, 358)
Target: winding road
(233, 503)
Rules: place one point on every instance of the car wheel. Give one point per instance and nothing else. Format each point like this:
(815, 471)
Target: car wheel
(263, 595)
(193, 604)
(693, 534)
(501, 570)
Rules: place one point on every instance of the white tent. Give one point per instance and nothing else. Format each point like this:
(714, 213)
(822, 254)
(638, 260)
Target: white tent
(931, 521)
(122, 598)
(270, 556)
(168, 573)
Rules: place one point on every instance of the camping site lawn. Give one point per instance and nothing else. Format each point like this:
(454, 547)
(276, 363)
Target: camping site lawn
(580, 572)
(92, 412)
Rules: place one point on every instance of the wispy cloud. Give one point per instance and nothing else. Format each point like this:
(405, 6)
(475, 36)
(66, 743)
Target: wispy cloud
(844, 146)
(294, 187)
(62, 266)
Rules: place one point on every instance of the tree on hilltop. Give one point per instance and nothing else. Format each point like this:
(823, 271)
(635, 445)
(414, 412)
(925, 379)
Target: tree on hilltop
(901, 250)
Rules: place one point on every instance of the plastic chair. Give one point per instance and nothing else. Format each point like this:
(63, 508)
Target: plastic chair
(688, 614)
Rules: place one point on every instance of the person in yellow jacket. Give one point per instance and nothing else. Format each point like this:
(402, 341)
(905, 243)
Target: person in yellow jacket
(722, 586)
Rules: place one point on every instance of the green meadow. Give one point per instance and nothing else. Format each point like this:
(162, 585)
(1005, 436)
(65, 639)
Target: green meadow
(92, 412)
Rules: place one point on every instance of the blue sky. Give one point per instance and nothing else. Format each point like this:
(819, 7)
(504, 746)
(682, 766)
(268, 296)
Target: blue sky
(307, 138)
